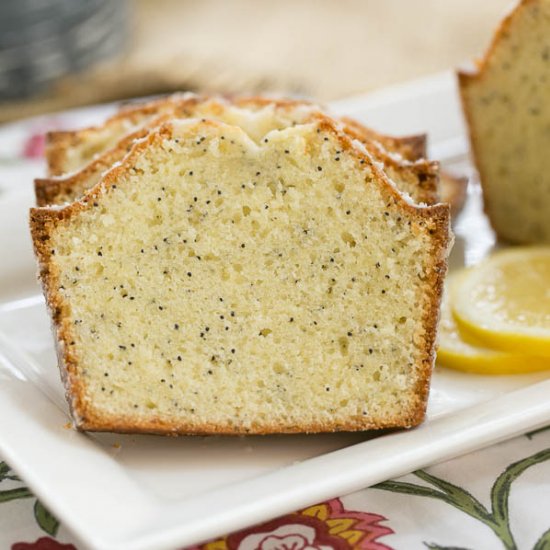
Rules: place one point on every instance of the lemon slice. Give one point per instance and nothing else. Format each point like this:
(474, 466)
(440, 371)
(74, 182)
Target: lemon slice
(505, 301)
(457, 352)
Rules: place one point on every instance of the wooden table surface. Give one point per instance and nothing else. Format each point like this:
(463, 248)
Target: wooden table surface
(324, 49)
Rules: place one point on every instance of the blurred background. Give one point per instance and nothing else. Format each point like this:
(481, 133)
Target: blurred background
(57, 54)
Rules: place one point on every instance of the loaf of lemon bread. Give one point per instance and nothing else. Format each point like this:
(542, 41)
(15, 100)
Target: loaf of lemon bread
(222, 281)
(506, 100)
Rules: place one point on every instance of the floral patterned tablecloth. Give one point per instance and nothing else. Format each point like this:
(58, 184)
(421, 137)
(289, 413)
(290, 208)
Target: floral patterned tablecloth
(497, 498)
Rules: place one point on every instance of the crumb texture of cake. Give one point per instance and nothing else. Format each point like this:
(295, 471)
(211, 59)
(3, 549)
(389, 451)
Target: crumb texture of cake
(218, 281)
(419, 178)
(68, 151)
(507, 106)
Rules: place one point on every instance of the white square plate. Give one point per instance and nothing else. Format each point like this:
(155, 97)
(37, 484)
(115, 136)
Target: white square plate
(144, 492)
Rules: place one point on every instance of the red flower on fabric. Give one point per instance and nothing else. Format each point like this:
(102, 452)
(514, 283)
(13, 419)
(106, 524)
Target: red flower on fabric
(43, 543)
(326, 526)
(34, 146)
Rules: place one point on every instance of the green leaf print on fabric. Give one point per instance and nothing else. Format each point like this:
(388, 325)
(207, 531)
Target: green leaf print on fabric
(6, 473)
(497, 519)
(454, 494)
(500, 491)
(46, 520)
(544, 542)
(14, 494)
(11, 494)
(532, 434)
(432, 546)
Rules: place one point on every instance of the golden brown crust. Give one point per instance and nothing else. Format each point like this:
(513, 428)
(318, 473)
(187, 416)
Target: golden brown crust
(43, 221)
(162, 427)
(50, 191)
(422, 174)
(411, 148)
(59, 143)
(464, 81)
(469, 75)
(425, 174)
(440, 223)
(453, 191)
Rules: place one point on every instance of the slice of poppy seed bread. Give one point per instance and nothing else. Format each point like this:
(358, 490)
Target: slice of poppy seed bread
(69, 151)
(507, 105)
(212, 283)
(419, 179)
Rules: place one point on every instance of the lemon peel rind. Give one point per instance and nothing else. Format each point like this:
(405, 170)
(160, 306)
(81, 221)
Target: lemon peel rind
(513, 342)
(493, 364)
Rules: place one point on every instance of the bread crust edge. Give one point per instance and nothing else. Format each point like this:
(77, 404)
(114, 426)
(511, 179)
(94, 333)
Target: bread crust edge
(48, 190)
